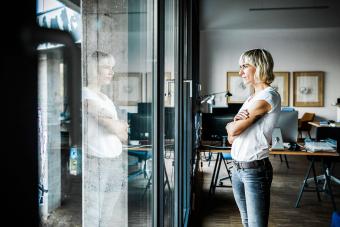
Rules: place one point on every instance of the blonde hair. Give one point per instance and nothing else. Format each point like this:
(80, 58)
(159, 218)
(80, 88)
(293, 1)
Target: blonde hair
(94, 63)
(263, 61)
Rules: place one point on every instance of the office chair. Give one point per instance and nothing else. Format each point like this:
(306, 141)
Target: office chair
(303, 123)
(142, 157)
(335, 219)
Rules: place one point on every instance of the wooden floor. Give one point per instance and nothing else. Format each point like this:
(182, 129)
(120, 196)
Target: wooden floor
(221, 209)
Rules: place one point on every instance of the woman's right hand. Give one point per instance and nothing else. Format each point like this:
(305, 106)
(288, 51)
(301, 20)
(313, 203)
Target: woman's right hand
(122, 130)
(242, 115)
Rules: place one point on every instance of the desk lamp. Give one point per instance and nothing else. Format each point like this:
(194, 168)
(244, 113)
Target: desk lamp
(210, 99)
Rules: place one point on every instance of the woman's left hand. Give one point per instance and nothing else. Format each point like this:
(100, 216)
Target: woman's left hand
(231, 139)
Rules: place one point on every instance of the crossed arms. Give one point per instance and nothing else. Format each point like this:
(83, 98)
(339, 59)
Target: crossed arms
(105, 119)
(245, 118)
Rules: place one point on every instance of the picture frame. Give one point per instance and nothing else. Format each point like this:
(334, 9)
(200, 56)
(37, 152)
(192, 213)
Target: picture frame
(308, 89)
(240, 92)
(281, 85)
(127, 89)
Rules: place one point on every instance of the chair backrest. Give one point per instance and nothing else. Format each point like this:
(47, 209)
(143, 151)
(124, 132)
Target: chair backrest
(308, 117)
(303, 121)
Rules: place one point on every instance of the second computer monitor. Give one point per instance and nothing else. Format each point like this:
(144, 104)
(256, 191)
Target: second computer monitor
(288, 123)
(213, 126)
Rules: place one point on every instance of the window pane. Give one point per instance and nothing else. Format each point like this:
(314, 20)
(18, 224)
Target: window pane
(169, 111)
(117, 101)
(108, 182)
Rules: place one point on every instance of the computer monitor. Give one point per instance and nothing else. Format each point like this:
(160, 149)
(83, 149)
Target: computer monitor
(288, 123)
(213, 126)
(140, 126)
(144, 108)
(169, 122)
(232, 108)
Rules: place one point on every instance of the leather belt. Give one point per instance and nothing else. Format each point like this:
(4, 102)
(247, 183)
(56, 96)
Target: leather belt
(251, 165)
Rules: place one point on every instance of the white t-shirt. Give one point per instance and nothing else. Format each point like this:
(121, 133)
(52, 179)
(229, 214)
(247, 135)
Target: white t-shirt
(97, 140)
(253, 143)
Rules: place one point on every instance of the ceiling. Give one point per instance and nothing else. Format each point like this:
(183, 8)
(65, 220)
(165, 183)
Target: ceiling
(268, 14)
(72, 4)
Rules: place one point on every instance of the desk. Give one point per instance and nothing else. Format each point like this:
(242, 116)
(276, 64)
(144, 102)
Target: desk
(325, 131)
(143, 153)
(288, 152)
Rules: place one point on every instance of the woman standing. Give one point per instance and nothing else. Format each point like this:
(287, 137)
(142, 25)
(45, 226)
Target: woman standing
(105, 172)
(250, 135)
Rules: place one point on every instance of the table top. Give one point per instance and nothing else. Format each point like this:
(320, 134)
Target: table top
(283, 152)
(317, 124)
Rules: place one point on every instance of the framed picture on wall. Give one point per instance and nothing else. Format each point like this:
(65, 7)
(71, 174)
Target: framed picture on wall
(240, 92)
(308, 89)
(127, 88)
(281, 84)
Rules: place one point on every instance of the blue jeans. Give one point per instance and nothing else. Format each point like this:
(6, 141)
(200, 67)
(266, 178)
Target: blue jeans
(251, 189)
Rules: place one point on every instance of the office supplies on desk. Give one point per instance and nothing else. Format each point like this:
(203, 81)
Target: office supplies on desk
(334, 124)
(324, 123)
(134, 142)
(313, 146)
(287, 109)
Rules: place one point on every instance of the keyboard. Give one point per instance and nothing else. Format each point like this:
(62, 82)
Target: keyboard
(314, 146)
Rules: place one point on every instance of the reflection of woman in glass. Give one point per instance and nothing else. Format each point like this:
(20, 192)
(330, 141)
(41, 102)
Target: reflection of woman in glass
(104, 170)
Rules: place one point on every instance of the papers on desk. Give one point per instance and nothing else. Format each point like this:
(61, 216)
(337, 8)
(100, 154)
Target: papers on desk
(334, 124)
(324, 123)
(286, 145)
(314, 146)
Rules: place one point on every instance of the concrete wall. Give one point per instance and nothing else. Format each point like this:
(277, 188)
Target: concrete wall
(50, 106)
(309, 49)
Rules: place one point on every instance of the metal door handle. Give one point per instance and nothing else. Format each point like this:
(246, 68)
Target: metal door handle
(190, 84)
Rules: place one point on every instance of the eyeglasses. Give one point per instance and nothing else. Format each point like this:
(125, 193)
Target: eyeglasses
(109, 67)
(244, 66)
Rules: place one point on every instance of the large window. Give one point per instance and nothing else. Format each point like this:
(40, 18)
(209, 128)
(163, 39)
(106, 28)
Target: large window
(107, 180)
(118, 52)
(128, 127)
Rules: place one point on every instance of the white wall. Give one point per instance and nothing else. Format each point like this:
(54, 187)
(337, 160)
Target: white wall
(309, 49)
